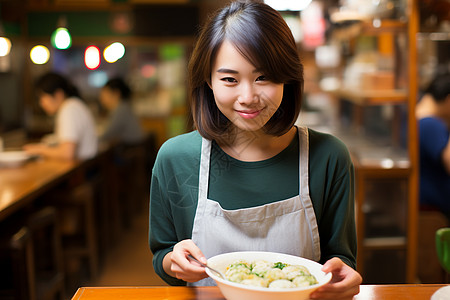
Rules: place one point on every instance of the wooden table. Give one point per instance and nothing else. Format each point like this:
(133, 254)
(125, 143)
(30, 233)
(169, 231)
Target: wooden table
(20, 185)
(383, 292)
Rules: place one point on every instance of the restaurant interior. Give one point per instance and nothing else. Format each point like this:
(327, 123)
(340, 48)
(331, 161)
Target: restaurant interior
(67, 224)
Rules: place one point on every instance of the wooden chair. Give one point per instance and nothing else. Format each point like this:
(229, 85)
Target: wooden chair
(48, 265)
(76, 208)
(32, 258)
(132, 181)
(17, 265)
(100, 173)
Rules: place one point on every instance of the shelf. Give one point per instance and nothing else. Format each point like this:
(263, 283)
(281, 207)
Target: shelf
(377, 161)
(385, 155)
(385, 243)
(386, 168)
(373, 97)
(378, 26)
(363, 26)
(434, 36)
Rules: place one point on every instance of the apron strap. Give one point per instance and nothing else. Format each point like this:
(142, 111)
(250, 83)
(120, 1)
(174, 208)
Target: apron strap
(203, 178)
(303, 167)
(304, 190)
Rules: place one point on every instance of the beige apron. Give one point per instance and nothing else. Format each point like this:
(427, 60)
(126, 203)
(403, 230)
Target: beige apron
(288, 226)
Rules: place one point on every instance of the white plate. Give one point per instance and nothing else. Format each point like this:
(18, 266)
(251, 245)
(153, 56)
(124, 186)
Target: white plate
(13, 158)
(442, 294)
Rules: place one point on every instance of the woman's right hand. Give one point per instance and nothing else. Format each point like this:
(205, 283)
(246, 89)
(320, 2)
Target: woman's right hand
(177, 264)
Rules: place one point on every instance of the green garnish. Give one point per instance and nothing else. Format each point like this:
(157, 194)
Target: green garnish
(279, 265)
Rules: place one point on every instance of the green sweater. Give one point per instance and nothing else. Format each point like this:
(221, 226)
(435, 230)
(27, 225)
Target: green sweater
(236, 184)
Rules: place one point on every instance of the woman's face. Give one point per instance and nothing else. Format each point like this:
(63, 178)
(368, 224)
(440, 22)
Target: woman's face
(50, 103)
(241, 91)
(109, 98)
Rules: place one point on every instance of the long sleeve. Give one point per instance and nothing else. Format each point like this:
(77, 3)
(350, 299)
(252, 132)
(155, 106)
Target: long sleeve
(173, 198)
(332, 193)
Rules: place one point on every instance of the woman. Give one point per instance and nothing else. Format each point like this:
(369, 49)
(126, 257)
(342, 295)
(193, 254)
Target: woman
(247, 178)
(433, 113)
(74, 124)
(123, 125)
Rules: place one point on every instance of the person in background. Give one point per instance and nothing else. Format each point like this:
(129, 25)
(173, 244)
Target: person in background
(123, 125)
(433, 113)
(247, 178)
(74, 131)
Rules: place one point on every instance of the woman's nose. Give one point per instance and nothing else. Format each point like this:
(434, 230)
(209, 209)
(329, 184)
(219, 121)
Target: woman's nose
(248, 94)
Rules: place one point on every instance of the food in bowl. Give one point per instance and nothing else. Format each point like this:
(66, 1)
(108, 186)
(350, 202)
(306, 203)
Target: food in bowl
(238, 291)
(13, 158)
(268, 274)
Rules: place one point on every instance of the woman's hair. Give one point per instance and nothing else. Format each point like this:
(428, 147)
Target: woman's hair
(50, 82)
(118, 85)
(439, 87)
(262, 36)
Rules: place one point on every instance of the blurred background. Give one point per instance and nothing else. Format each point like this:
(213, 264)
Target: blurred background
(366, 65)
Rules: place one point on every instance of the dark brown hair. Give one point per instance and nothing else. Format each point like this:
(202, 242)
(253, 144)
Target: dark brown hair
(262, 36)
(50, 82)
(439, 87)
(117, 84)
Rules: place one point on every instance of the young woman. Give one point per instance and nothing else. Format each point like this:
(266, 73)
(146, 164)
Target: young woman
(433, 112)
(123, 125)
(75, 131)
(247, 178)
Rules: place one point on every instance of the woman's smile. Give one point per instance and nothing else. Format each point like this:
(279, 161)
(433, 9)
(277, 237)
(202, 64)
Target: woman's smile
(249, 114)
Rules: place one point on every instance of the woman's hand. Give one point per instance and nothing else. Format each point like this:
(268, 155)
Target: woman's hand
(64, 150)
(34, 149)
(343, 285)
(177, 265)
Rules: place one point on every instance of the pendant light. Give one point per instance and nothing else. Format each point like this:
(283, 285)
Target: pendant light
(5, 43)
(61, 38)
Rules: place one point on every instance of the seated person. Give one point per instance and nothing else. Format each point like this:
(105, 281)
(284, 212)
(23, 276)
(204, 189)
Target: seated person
(74, 124)
(123, 125)
(433, 112)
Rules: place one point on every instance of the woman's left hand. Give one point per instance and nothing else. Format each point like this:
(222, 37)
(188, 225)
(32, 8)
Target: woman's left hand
(37, 148)
(343, 285)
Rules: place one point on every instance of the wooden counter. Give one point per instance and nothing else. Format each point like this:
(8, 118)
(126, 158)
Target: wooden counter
(379, 292)
(19, 186)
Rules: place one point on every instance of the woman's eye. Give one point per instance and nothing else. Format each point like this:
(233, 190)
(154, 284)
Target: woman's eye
(229, 79)
(261, 78)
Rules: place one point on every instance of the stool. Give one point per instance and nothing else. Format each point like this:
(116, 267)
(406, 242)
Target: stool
(17, 265)
(136, 178)
(46, 243)
(131, 178)
(78, 230)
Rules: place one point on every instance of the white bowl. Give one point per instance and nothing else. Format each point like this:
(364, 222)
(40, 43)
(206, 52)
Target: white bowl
(237, 291)
(13, 158)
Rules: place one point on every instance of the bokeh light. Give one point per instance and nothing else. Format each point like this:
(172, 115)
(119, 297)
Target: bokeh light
(114, 52)
(148, 71)
(39, 54)
(5, 46)
(97, 78)
(294, 5)
(92, 57)
(61, 38)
